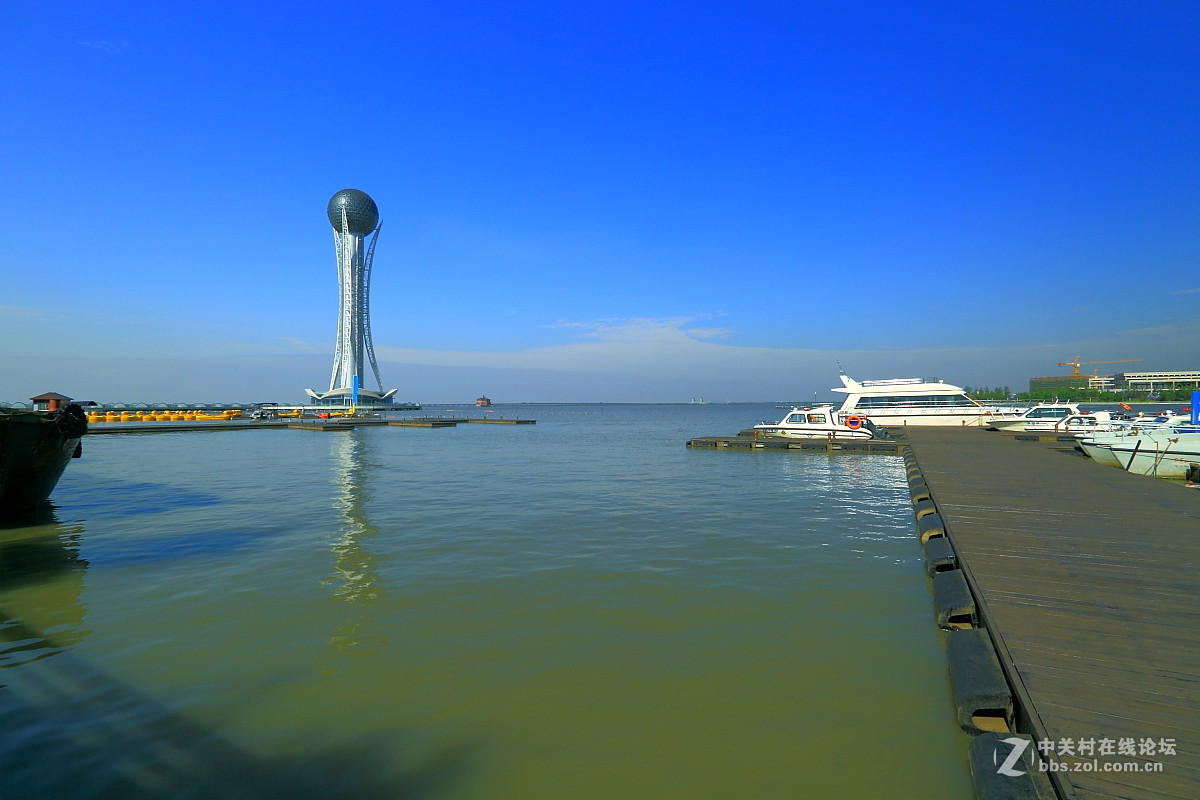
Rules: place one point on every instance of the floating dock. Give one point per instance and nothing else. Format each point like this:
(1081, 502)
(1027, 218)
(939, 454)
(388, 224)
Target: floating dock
(1071, 592)
(329, 424)
(750, 440)
(478, 420)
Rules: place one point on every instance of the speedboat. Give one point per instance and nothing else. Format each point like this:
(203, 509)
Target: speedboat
(1082, 423)
(916, 401)
(1065, 417)
(821, 422)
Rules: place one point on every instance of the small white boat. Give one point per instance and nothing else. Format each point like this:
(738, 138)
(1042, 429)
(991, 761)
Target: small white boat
(1083, 423)
(916, 401)
(1064, 417)
(1159, 419)
(821, 422)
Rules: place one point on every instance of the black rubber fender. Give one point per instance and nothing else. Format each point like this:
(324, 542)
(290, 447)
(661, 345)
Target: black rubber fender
(939, 555)
(979, 687)
(930, 526)
(953, 603)
(923, 507)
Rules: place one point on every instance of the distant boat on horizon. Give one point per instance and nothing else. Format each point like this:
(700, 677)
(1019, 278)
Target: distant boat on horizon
(699, 401)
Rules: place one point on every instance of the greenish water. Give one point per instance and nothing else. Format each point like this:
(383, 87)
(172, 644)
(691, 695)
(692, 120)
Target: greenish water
(580, 608)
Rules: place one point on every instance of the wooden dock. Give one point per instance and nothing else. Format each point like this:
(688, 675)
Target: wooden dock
(422, 423)
(1087, 579)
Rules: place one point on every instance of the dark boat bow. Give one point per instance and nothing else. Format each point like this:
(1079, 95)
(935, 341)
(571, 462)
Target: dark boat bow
(35, 447)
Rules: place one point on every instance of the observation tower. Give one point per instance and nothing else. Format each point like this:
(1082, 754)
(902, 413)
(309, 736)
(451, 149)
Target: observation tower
(354, 217)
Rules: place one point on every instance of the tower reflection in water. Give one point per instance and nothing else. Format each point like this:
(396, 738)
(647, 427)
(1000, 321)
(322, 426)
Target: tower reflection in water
(355, 579)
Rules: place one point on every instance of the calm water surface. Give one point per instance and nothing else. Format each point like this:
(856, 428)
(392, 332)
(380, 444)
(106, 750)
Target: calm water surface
(581, 608)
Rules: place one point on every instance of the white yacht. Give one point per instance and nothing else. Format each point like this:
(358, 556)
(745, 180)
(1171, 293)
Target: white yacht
(916, 401)
(821, 422)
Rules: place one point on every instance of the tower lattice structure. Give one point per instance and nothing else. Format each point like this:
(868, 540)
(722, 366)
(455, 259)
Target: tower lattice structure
(355, 220)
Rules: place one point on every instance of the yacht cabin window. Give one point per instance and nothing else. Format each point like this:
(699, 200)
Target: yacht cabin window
(915, 401)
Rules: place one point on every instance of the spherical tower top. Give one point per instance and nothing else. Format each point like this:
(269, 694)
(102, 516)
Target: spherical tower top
(361, 211)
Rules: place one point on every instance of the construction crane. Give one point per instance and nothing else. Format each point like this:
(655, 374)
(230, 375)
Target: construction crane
(1074, 365)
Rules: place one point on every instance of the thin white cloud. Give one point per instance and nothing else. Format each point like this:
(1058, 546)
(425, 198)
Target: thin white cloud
(32, 313)
(107, 46)
(300, 346)
(610, 346)
(631, 356)
(1188, 329)
(645, 330)
(284, 346)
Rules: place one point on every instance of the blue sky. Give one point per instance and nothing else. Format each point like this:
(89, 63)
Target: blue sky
(596, 201)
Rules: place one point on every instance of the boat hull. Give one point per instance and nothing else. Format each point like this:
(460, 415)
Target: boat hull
(1067, 426)
(811, 433)
(966, 419)
(1156, 458)
(34, 450)
(1100, 453)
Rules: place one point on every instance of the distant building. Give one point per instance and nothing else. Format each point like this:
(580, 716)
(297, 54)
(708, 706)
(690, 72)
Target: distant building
(50, 401)
(482, 402)
(1120, 382)
(1156, 381)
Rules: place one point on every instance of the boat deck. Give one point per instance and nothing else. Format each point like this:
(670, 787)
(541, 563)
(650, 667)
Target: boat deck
(1088, 579)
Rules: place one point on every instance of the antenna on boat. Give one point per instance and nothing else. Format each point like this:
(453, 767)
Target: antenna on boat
(841, 369)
